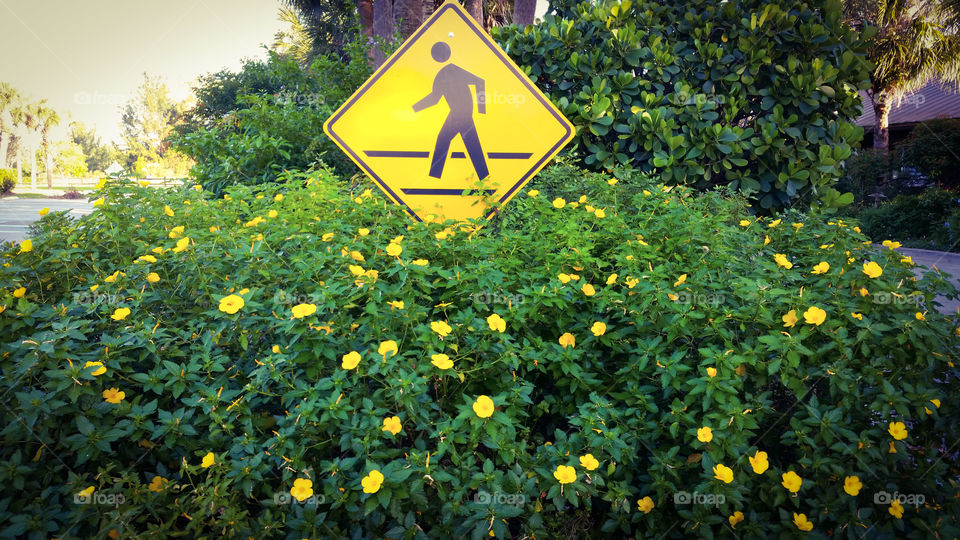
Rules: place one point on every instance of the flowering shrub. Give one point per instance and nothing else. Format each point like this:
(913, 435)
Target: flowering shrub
(300, 360)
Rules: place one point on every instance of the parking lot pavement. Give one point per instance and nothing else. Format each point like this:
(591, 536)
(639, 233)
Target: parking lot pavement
(945, 262)
(16, 215)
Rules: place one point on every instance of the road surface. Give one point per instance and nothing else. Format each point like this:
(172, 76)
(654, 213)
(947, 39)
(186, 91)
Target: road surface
(17, 214)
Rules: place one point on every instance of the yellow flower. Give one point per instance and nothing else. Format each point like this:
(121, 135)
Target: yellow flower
(98, 202)
(589, 462)
(897, 430)
(852, 485)
(168, 211)
(442, 361)
(600, 213)
(896, 509)
(153, 277)
(791, 481)
(420, 262)
(394, 250)
(759, 462)
(790, 318)
(564, 278)
(272, 214)
(632, 282)
(214, 228)
(113, 395)
(712, 372)
(906, 259)
(231, 304)
(766, 239)
(797, 226)
(872, 269)
(645, 504)
(863, 291)
(441, 328)
(815, 316)
(782, 261)
(371, 482)
(364, 231)
(857, 316)
(680, 280)
(120, 314)
(300, 311)
(208, 460)
(147, 258)
(26, 246)
(43, 211)
(483, 406)
(396, 304)
(723, 473)
(176, 231)
(182, 244)
(156, 485)
(704, 434)
(821, 268)
(357, 256)
(919, 316)
(736, 518)
(388, 346)
(559, 203)
(745, 223)
(496, 323)
(612, 181)
(18, 293)
(611, 279)
(533, 193)
(275, 349)
(100, 369)
(278, 197)
(891, 244)
(350, 360)
(936, 402)
(327, 237)
(800, 520)
(774, 223)
(302, 489)
(565, 474)
(588, 289)
(356, 270)
(598, 328)
(392, 425)
(567, 339)
(85, 493)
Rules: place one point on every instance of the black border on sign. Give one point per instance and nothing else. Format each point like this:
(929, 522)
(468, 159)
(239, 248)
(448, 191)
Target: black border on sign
(495, 49)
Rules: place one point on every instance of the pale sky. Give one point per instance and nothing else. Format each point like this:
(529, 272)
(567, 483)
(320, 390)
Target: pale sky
(87, 57)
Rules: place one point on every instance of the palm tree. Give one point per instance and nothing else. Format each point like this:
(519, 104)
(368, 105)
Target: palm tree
(475, 9)
(523, 11)
(48, 118)
(31, 124)
(913, 45)
(8, 99)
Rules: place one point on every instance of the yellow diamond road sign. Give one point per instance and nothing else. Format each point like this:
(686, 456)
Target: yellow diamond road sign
(449, 113)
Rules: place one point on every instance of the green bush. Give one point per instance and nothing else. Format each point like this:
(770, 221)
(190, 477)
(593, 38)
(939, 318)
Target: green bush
(930, 220)
(8, 180)
(755, 94)
(932, 148)
(687, 323)
(251, 126)
(863, 175)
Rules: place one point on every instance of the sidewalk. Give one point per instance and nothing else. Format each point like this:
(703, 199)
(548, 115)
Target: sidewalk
(949, 263)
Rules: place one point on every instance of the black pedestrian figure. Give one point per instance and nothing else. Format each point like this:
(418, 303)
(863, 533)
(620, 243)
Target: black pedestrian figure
(453, 84)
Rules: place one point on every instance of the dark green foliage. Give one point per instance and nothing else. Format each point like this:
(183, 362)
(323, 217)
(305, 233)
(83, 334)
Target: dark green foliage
(757, 95)
(930, 220)
(8, 179)
(933, 148)
(864, 173)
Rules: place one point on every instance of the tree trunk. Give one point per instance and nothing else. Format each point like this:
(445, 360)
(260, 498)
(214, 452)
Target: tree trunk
(382, 27)
(365, 13)
(19, 167)
(33, 165)
(410, 13)
(48, 162)
(523, 12)
(475, 9)
(4, 148)
(428, 8)
(881, 120)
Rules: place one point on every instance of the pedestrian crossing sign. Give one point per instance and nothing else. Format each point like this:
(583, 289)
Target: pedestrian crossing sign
(449, 127)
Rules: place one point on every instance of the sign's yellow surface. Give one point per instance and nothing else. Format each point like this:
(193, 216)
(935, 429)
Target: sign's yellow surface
(449, 112)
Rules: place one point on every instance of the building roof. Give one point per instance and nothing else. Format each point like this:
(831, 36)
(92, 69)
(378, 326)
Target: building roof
(935, 100)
